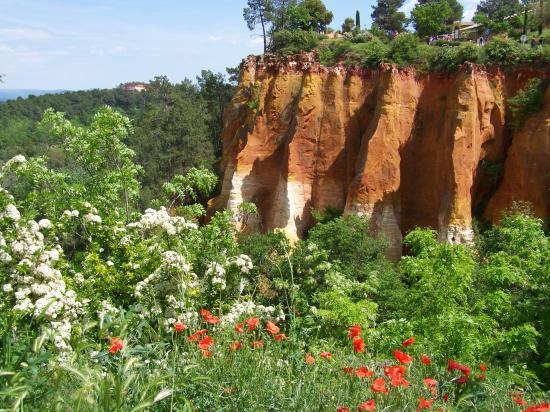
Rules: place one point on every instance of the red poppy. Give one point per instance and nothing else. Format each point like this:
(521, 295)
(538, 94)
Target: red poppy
(272, 328)
(367, 406)
(280, 336)
(397, 375)
(206, 342)
(446, 397)
(347, 370)
(310, 360)
(258, 344)
(239, 327)
(463, 379)
(379, 386)
(538, 408)
(402, 357)
(453, 365)
(425, 360)
(518, 399)
(194, 337)
(252, 323)
(364, 372)
(326, 355)
(206, 353)
(424, 403)
(179, 327)
(342, 409)
(208, 317)
(358, 345)
(408, 342)
(483, 367)
(116, 345)
(431, 384)
(354, 331)
(235, 346)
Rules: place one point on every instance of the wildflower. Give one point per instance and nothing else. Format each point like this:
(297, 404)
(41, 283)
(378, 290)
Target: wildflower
(272, 328)
(116, 345)
(258, 344)
(453, 365)
(483, 368)
(425, 360)
(310, 360)
(206, 342)
(235, 346)
(358, 345)
(518, 399)
(402, 357)
(342, 409)
(367, 406)
(179, 327)
(348, 370)
(446, 397)
(208, 317)
(280, 336)
(206, 353)
(364, 372)
(239, 327)
(397, 375)
(252, 323)
(354, 331)
(538, 408)
(424, 403)
(194, 337)
(379, 386)
(463, 379)
(326, 355)
(431, 384)
(408, 342)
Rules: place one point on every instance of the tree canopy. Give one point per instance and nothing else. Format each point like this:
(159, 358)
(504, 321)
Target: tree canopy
(386, 15)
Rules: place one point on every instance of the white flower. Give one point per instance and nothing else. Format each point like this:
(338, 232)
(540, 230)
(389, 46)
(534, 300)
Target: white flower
(45, 224)
(11, 212)
(7, 287)
(109, 263)
(91, 218)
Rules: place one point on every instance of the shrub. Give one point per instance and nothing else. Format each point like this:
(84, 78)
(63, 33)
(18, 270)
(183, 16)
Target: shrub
(331, 53)
(369, 54)
(503, 52)
(404, 50)
(450, 58)
(527, 101)
(295, 41)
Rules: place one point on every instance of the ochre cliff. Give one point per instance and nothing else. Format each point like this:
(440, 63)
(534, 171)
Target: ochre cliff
(402, 148)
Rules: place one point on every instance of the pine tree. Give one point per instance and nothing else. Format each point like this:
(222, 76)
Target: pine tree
(387, 16)
(257, 13)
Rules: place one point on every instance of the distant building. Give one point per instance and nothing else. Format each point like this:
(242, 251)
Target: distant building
(135, 86)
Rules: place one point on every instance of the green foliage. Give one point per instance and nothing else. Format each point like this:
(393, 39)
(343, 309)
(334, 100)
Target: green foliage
(498, 10)
(404, 50)
(309, 15)
(527, 101)
(450, 58)
(294, 41)
(348, 25)
(431, 18)
(457, 10)
(386, 15)
(503, 52)
(332, 52)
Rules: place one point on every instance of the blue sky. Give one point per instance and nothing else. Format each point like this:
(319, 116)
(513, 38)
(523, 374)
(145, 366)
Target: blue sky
(81, 44)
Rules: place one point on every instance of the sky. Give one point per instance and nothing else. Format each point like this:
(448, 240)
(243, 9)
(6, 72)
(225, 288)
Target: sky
(84, 44)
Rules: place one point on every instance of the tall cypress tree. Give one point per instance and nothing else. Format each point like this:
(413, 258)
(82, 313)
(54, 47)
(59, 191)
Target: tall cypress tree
(357, 22)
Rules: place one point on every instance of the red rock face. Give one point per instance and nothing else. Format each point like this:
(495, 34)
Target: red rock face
(404, 149)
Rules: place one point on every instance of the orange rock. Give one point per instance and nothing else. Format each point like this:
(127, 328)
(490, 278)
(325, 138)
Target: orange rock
(402, 148)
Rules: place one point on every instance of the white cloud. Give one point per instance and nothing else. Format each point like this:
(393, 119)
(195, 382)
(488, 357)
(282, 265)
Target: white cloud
(215, 38)
(21, 33)
(5, 49)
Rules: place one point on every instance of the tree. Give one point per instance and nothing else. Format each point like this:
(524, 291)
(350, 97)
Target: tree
(217, 93)
(497, 10)
(279, 14)
(456, 7)
(347, 26)
(357, 22)
(386, 15)
(431, 18)
(257, 13)
(309, 15)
